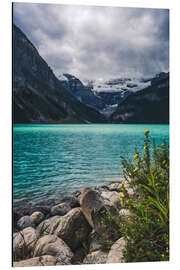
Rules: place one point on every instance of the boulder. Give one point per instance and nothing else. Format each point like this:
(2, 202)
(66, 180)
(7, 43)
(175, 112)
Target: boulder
(71, 200)
(96, 210)
(116, 252)
(73, 228)
(115, 187)
(31, 208)
(37, 217)
(25, 222)
(24, 241)
(111, 196)
(48, 226)
(96, 257)
(101, 188)
(46, 260)
(60, 209)
(54, 246)
(91, 202)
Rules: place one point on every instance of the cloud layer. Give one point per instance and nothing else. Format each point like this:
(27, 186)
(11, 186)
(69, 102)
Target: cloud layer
(93, 42)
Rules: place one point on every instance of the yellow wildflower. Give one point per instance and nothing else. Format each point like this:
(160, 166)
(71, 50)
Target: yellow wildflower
(102, 212)
(164, 162)
(137, 160)
(146, 146)
(135, 170)
(121, 195)
(162, 255)
(136, 155)
(122, 169)
(146, 131)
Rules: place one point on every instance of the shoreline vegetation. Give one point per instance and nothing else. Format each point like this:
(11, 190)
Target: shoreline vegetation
(123, 221)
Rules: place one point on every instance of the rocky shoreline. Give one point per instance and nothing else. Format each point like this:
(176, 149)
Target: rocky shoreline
(71, 231)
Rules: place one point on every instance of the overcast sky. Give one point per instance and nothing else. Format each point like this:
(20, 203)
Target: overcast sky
(93, 42)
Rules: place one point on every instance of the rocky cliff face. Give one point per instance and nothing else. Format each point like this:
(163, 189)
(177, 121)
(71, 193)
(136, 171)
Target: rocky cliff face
(38, 96)
(104, 97)
(150, 105)
(81, 92)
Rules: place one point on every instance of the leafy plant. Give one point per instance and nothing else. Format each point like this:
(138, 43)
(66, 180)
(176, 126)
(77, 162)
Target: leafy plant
(112, 231)
(147, 228)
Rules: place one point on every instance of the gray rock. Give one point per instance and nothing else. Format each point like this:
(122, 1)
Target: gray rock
(116, 252)
(24, 240)
(70, 200)
(96, 257)
(91, 202)
(73, 228)
(101, 188)
(111, 196)
(25, 222)
(46, 260)
(60, 209)
(37, 217)
(54, 246)
(115, 187)
(48, 226)
(30, 208)
(96, 210)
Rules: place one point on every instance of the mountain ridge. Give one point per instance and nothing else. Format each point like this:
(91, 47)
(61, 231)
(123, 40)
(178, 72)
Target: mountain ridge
(38, 96)
(149, 105)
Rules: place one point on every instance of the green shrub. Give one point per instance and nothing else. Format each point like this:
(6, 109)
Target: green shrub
(147, 228)
(112, 232)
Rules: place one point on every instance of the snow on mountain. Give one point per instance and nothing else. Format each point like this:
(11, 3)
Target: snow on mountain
(118, 85)
(61, 77)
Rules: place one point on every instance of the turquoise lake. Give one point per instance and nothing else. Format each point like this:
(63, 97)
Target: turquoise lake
(50, 161)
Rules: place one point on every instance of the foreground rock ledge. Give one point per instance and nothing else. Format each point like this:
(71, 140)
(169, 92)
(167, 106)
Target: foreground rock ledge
(116, 252)
(54, 246)
(96, 257)
(46, 260)
(25, 238)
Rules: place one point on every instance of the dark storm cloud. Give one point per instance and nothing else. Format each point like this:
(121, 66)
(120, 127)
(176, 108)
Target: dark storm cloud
(97, 42)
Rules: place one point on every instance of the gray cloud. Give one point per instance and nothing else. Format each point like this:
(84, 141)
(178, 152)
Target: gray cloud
(97, 42)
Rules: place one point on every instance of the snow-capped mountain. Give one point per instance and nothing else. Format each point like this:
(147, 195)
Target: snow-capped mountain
(118, 84)
(106, 95)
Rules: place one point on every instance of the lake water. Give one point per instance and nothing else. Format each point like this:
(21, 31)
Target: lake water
(53, 160)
